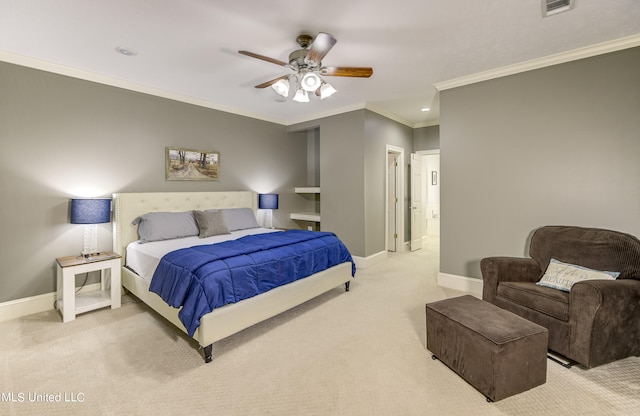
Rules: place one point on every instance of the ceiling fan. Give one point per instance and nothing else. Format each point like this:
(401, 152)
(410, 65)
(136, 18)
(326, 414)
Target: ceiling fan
(306, 64)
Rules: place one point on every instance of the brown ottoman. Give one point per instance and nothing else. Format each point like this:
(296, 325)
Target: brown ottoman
(494, 350)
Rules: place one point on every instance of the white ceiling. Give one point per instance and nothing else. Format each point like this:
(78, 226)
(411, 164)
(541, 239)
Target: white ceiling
(187, 49)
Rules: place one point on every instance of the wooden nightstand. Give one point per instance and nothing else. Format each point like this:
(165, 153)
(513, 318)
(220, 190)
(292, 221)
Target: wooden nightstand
(68, 302)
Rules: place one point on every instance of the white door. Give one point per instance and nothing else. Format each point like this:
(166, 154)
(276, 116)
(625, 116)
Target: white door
(416, 202)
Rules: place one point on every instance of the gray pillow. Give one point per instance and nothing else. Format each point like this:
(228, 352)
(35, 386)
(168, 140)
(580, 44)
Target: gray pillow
(156, 226)
(239, 218)
(210, 223)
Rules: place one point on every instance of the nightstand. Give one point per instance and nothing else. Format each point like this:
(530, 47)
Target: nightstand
(70, 303)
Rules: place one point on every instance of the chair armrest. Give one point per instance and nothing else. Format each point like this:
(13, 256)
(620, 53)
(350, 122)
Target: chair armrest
(604, 317)
(506, 269)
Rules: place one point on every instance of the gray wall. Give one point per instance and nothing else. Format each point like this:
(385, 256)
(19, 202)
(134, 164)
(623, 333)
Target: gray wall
(380, 131)
(313, 157)
(62, 137)
(558, 145)
(342, 178)
(426, 138)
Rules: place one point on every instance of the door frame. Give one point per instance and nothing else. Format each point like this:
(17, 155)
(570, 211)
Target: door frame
(400, 212)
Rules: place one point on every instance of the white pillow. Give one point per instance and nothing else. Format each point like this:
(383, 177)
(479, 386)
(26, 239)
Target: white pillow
(562, 276)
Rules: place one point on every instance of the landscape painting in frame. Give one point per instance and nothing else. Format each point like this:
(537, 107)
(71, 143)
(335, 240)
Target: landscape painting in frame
(192, 165)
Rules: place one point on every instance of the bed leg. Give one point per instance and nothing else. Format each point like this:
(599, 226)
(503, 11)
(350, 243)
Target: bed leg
(208, 353)
(346, 286)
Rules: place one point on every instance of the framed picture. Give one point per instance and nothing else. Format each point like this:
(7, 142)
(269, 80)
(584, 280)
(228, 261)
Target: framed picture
(191, 165)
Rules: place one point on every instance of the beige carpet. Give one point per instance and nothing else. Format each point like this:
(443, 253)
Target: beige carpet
(356, 353)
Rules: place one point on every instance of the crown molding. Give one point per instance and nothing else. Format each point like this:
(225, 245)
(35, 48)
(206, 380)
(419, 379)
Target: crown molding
(35, 63)
(317, 116)
(581, 53)
(559, 58)
(427, 124)
(40, 64)
(392, 116)
(359, 106)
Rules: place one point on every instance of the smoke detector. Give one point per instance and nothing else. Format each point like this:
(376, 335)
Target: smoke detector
(551, 7)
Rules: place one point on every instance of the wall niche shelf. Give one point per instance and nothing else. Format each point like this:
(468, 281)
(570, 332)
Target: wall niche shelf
(306, 216)
(307, 190)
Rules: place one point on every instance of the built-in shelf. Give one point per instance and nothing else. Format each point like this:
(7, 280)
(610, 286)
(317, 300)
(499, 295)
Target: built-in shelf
(305, 216)
(307, 190)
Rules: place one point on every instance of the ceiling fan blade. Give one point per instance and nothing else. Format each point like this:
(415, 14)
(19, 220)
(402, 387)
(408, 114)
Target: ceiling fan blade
(270, 83)
(321, 45)
(264, 58)
(347, 71)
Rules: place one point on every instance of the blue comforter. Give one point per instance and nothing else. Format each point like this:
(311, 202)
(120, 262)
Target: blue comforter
(202, 278)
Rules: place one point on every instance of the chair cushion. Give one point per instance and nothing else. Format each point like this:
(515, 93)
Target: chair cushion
(542, 299)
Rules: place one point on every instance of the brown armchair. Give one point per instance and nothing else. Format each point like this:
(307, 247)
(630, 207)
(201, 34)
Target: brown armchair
(598, 321)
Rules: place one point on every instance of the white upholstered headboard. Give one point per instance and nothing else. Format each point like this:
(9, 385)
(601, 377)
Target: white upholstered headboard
(128, 206)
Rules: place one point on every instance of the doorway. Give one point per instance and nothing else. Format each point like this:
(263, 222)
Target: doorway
(431, 204)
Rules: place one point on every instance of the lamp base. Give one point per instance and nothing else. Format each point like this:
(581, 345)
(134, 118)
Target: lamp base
(269, 219)
(90, 240)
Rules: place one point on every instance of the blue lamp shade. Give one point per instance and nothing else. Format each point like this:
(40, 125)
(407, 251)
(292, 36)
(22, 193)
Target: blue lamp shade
(90, 211)
(268, 201)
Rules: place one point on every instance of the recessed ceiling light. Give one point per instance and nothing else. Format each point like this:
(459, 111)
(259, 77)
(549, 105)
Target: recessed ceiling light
(425, 109)
(126, 51)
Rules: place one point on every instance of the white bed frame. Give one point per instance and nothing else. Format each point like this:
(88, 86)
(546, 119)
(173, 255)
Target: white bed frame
(225, 321)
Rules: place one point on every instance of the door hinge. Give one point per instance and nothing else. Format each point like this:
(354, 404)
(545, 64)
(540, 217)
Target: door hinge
(395, 235)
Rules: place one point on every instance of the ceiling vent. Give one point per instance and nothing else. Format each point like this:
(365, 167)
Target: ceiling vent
(551, 7)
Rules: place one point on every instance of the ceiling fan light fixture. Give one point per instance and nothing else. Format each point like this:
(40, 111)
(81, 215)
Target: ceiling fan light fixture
(326, 90)
(281, 87)
(310, 82)
(306, 64)
(301, 96)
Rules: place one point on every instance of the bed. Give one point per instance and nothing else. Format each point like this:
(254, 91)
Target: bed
(229, 319)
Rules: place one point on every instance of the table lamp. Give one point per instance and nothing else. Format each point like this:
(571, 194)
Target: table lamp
(268, 202)
(90, 212)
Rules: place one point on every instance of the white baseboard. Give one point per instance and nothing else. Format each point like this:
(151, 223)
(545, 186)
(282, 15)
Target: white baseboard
(40, 303)
(34, 304)
(364, 262)
(461, 283)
